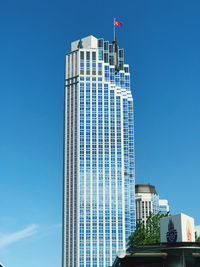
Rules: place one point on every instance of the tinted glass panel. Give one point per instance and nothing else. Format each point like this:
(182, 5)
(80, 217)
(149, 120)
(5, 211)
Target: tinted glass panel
(93, 55)
(100, 43)
(88, 56)
(106, 46)
(82, 55)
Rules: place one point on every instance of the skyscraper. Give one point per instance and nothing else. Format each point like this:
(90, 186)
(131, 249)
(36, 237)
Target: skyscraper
(99, 177)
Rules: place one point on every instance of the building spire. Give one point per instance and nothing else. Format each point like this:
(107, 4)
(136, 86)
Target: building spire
(114, 33)
(115, 47)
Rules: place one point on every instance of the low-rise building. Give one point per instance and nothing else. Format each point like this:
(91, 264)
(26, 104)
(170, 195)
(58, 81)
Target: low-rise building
(168, 254)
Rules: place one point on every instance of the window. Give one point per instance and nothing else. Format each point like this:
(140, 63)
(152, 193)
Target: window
(105, 46)
(99, 68)
(121, 53)
(93, 55)
(106, 57)
(87, 55)
(126, 69)
(100, 54)
(82, 55)
(100, 43)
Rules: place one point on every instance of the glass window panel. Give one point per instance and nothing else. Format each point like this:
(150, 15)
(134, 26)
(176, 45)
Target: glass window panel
(82, 55)
(93, 55)
(88, 55)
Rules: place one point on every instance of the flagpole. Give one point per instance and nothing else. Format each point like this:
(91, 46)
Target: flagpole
(114, 29)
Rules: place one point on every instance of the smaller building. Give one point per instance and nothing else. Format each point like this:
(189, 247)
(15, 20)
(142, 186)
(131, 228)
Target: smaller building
(147, 201)
(180, 254)
(163, 206)
(177, 248)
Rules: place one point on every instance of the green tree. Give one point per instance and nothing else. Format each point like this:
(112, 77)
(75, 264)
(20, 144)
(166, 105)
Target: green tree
(149, 234)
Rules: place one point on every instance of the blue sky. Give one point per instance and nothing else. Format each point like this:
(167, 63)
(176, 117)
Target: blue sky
(161, 41)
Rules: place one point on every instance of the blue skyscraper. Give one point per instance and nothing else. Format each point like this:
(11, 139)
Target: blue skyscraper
(99, 174)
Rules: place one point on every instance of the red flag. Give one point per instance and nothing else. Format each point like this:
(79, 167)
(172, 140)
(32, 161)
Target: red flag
(118, 23)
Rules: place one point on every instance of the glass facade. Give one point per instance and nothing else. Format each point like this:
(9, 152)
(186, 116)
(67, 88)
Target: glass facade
(99, 170)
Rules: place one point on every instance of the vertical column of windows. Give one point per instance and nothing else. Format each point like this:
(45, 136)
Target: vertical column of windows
(81, 175)
(127, 82)
(138, 211)
(117, 80)
(67, 67)
(126, 169)
(99, 68)
(122, 83)
(76, 63)
(94, 175)
(112, 77)
(113, 172)
(107, 176)
(119, 173)
(111, 58)
(87, 63)
(106, 73)
(82, 62)
(88, 167)
(131, 164)
(146, 210)
(142, 209)
(149, 207)
(72, 65)
(100, 49)
(71, 175)
(93, 63)
(106, 57)
(75, 173)
(68, 177)
(121, 59)
(100, 168)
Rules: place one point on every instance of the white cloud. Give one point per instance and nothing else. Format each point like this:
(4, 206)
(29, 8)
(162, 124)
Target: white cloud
(197, 229)
(10, 238)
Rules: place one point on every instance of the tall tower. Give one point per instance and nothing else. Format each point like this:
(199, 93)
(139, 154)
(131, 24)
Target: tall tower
(99, 176)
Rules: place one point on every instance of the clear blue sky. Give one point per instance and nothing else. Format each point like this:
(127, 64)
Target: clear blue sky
(162, 45)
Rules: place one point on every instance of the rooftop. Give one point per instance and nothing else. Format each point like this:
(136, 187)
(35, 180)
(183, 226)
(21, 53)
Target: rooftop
(145, 188)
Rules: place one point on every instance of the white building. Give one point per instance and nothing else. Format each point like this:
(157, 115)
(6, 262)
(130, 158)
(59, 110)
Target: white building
(163, 206)
(147, 201)
(99, 174)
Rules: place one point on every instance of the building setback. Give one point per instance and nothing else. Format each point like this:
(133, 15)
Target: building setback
(99, 172)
